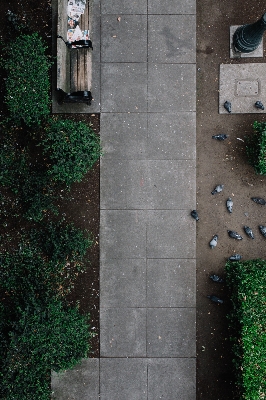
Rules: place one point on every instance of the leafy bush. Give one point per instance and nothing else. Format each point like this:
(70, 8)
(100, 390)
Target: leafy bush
(247, 284)
(55, 337)
(256, 148)
(39, 331)
(27, 83)
(71, 149)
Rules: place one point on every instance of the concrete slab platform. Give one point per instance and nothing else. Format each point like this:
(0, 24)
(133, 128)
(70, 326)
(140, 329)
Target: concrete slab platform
(123, 379)
(170, 234)
(166, 82)
(123, 332)
(147, 184)
(172, 38)
(124, 7)
(154, 136)
(123, 283)
(82, 382)
(171, 283)
(172, 7)
(124, 39)
(171, 332)
(124, 87)
(172, 379)
(242, 85)
(233, 54)
(172, 136)
(117, 239)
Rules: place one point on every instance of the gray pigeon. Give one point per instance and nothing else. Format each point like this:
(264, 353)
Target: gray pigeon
(215, 299)
(217, 189)
(263, 230)
(235, 257)
(259, 105)
(229, 204)
(249, 232)
(228, 106)
(220, 137)
(234, 235)
(259, 200)
(194, 215)
(213, 242)
(216, 278)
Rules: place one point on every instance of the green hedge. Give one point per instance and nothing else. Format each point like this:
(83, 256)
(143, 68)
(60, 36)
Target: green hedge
(71, 148)
(247, 285)
(39, 330)
(27, 82)
(256, 148)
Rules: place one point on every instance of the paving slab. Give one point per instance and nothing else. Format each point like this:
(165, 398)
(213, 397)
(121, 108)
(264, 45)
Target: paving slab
(123, 283)
(82, 382)
(171, 88)
(147, 184)
(153, 136)
(172, 7)
(124, 87)
(123, 332)
(123, 379)
(124, 7)
(124, 135)
(124, 38)
(171, 283)
(172, 378)
(170, 234)
(123, 234)
(171, 136)
(242, 85)
(172, 38)
(171, 332)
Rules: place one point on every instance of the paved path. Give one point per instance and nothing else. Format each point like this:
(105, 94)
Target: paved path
(147, 74)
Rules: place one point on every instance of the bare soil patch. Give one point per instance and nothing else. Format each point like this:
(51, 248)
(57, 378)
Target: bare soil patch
(221, 163)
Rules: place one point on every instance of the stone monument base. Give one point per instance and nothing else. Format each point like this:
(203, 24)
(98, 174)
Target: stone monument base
(242, 85)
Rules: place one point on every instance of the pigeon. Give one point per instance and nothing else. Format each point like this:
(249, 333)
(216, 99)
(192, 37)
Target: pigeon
(229, 204)
(213, 242)
(194, 215)
(262, 230)
(216, 278)
(259, 200)
(218, 189)
(249, 232)
(235, 257)
(215, 299)
(220, 137)
(228, 106)
(234, 235)
(259, 105)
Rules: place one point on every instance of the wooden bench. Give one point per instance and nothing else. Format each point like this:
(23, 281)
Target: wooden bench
(74, 61)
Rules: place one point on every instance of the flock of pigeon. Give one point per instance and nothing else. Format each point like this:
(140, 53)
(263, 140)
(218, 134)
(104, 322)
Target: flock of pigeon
(232, 234)
(228, 106)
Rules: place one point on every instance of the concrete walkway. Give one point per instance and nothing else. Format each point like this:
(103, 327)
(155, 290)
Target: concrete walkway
(147, 99)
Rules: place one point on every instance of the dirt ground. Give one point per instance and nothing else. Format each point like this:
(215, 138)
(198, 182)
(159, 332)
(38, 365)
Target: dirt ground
(221, 163)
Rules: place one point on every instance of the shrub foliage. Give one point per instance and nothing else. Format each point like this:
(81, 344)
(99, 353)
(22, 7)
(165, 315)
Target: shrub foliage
(247, 285)
(27, 83)
(40, 331)
(256, 148)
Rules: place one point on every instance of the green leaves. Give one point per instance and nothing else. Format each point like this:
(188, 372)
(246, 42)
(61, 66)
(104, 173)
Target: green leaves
(247, 284)
(72, 149)
(27, 83)
(39, 330)
(256, 148)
